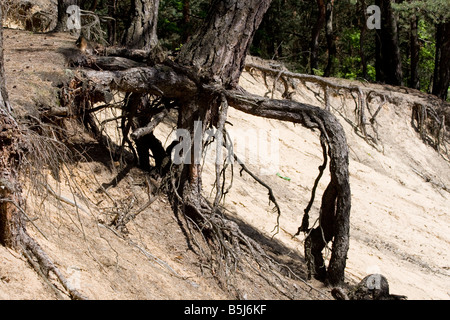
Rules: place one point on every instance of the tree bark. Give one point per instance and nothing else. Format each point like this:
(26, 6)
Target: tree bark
(314, 46)
(388, 60)
(216, 54)
(362, 37)
(10, 191)
(61, 25)
(414, 52)
(331, 44)
(217, 51)
(142, 32)
(441, 78)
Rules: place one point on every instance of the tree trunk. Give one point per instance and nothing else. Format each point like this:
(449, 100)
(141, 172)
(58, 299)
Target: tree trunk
(414, 52)
(441, 78)
(389, 64)
(186, 33)
(202, 82)
(216, 54)
(218, 49)
(112, 24)
(314, 46)
(61, 25)
(142, 32)
(362, 37)
(10, 191)
(331, 44)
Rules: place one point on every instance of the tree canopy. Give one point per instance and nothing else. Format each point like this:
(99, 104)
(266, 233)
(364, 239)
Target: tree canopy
(186, 58)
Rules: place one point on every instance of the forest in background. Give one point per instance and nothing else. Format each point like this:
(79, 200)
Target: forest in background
(198, 87)
(325, 37)
(322, 37)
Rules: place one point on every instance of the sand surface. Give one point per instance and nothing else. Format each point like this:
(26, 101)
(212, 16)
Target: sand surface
(400, 224)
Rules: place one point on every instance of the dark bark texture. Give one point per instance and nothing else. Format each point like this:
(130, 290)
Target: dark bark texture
(10, 190)
(388, 60)
(314, 46)
(142, 31)
(62, 14)
(441, 78)
(218, 49)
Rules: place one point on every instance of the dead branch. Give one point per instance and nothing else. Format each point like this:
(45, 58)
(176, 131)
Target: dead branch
(157, 119)
(269, 189)
(34, 251)
(335, 209)
(158, 80)
(134, 54)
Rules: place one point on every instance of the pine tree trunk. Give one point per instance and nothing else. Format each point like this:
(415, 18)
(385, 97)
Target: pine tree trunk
(414, 51)
(142, 32)
(362, 37)
(186, 21)
(331, 44)
(314, 47)
(389, 64)
(61, 25)
(112, 24)
(216, 54)
(10, 191)
(218, 49)
(441, 78)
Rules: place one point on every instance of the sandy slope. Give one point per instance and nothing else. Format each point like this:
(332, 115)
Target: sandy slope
(399, 221)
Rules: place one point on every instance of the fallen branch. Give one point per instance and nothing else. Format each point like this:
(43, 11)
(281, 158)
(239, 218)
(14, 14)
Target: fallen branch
(157, 119)
(34, 250)
(265, 185)
(336, 202)
(158, 80)
(111, 63)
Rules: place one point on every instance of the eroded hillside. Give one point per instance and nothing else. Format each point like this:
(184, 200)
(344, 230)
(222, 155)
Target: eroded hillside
(400, 199)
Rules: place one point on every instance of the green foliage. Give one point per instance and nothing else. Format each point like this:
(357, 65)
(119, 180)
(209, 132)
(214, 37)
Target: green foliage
(173, 26)
(438, 11)
(285, 32)
(427, 53)
(318, 72)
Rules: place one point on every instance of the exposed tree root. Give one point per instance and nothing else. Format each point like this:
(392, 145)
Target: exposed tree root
(269, 189)
(14, 143)
(372, 287)
(228, 252)
(39, 259)
(428, 122)
(172, 82)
